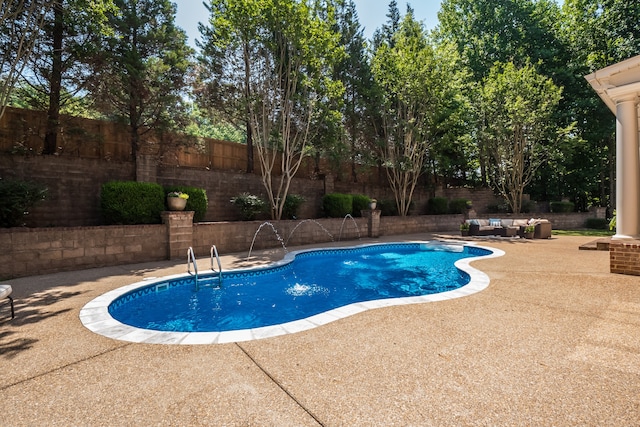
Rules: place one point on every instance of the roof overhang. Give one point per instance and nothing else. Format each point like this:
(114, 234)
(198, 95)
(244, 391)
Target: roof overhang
(617, 82)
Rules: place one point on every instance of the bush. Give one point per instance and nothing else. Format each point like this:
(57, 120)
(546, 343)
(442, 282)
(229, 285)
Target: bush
(459, 206)
(249, 205)
(337, 205)
(360, 203)
(561, 207)
(130, 202)
(197, 201)
(528, 206)
(17, 198)
(388, 207)
(437, 206)
(598, 223)
(291, 205)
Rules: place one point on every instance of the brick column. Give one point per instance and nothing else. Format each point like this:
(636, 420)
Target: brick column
(624, 257)
(373, 221)
(179, 232)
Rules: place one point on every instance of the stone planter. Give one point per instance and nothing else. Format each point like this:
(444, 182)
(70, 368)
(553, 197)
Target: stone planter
(464, 232)
(176, 203)
(528, 235)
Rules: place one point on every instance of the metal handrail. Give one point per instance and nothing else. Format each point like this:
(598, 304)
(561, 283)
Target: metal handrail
(214, 251)
(191, 258)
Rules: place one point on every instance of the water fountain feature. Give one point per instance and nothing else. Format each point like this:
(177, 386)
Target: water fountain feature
(309, 220)
(354, 223)
(274, 231)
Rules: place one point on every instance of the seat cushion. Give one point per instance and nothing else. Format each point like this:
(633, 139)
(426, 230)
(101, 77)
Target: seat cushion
(5, 291)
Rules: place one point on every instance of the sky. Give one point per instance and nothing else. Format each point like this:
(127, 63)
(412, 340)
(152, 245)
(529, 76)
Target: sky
(371, 14)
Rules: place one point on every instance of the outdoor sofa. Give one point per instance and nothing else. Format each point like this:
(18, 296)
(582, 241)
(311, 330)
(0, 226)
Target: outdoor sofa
(509, 227)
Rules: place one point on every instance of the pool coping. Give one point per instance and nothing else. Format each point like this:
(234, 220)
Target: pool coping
(95, 314)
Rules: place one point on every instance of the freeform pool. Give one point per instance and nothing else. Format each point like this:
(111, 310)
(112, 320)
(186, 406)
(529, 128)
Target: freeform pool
(306, 289)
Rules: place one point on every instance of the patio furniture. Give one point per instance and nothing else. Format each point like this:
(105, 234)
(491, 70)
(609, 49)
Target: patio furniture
(508, 227)
(5, 292)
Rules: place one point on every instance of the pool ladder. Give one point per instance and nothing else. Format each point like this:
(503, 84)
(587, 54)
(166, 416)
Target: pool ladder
(207, 281)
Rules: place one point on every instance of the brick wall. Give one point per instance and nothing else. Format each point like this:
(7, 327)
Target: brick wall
(31, 251)
(624, 257)
(28, 252)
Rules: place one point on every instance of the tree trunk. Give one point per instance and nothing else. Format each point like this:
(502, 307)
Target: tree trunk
(53, 114)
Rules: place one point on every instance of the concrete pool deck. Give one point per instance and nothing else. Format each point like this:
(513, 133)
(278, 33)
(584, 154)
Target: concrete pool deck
(553, 340)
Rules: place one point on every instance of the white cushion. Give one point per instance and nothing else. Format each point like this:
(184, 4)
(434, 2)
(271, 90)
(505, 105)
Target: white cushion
(5, 291)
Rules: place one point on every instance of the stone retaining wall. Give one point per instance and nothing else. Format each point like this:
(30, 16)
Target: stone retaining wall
(35, 251)
(29, 252)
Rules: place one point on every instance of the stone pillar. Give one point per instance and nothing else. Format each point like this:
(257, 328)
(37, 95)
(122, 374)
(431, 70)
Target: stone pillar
(179, 232)
(373, 221)
(627, 169)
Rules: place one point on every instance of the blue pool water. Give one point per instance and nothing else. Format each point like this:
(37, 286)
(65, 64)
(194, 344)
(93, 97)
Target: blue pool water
(313, 282)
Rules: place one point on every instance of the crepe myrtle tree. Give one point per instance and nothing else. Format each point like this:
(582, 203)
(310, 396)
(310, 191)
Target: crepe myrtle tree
(517, 107)
(415, 85)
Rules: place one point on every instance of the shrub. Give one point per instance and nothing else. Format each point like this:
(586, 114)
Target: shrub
(437, 206)
(528, 206)
(360, 203)
(598, 223)
(337, 205)
(249, 205)
(561, 207)
(388, 207)
(291, 206)
(458, 206)
(197, 201)
(498, 208)
(130, 202)
(17, 198)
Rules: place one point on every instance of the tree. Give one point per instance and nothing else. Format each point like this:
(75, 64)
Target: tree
(272, 62)
(354, 71)
(20, 23)
(413, 82)
(142, 78)
(518, 105)
(57, 69)
(293, 75)
(228, 50)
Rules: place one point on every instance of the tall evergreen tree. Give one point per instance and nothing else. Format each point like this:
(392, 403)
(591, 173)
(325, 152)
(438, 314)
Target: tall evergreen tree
(142, 77)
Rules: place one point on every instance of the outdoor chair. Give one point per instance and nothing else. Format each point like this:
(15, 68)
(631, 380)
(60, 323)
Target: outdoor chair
(5, 292)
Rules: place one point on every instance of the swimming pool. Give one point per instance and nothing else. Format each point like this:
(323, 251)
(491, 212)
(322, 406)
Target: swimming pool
(305, 290)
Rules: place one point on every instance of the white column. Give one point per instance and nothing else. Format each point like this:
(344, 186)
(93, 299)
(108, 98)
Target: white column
(627, 169)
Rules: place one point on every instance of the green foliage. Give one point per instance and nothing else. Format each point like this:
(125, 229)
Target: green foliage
(291, 206)
(528, 206)
(519, 105)
(250, 205)
(388, 207)
(415, 84)
(130, 202)
(437, 206)
(142, 73)
(17, 198)
(458, 206)
(337, 205)
(197, 201)
(597, 223)
(614, 221)
(561, 207)
(360, 203)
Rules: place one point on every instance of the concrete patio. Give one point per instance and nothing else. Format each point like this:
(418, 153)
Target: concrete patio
(554, 340)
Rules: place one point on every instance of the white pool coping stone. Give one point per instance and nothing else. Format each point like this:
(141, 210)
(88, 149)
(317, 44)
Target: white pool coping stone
(95, 314)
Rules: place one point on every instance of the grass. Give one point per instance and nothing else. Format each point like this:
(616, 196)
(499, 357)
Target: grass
(583, 232)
